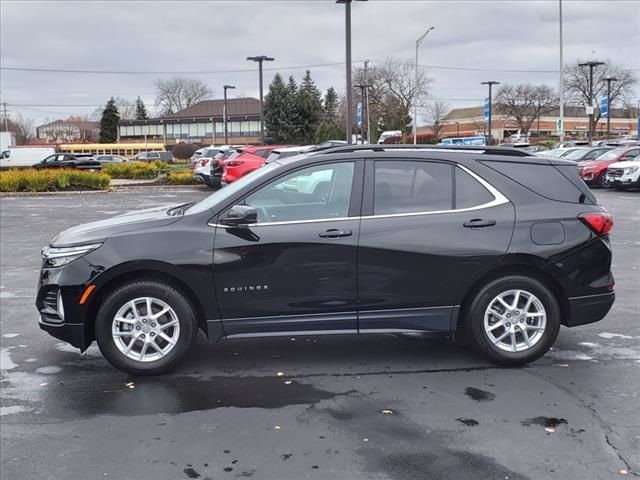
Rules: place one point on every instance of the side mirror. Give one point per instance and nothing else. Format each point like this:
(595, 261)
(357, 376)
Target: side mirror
(240, 215)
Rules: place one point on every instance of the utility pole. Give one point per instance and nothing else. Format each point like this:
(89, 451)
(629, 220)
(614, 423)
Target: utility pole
(591, 65)
(6, 126)
(561, 87)
(226, 131)
(491, 83)
(260, 59)
(609, 111)
(366, 80)
(415, 100)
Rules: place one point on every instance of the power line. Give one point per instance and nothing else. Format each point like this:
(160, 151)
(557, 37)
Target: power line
(174, 72)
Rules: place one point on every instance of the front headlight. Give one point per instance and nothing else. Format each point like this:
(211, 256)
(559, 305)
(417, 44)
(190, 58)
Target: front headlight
(630, 170)
(59, 256)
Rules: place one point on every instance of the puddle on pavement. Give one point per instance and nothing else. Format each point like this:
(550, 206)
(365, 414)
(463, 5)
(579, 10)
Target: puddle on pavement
(173, 395)
(479, 395)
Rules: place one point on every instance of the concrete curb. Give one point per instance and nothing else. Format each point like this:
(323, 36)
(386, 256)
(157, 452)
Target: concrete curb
(112, 189)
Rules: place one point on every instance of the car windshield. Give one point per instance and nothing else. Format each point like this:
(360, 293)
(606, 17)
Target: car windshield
(232, 188)
(610, 155)
(576, 154)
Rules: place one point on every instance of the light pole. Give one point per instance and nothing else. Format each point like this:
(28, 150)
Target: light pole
(561, 80)
(415, 100)
(491, 83)
(347, 23)
(366, 80)
(226, 131)
(457, 129)
(260, 59)
(591, 65)
(609, 80)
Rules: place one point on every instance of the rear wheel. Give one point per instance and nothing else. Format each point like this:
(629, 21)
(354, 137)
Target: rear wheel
(513, 320)
(145, 327)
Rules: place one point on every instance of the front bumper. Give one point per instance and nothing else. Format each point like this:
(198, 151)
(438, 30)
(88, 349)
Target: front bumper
(73, 333)
(621, 181)
(588, 309)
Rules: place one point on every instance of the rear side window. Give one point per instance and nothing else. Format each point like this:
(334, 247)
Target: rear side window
(561, 183)
(412, 186)
(470, 192)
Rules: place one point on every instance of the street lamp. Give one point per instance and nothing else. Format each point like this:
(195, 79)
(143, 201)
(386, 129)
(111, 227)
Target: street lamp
(609, 80)
(260, 59)
(415, 105)
(491, 83)
(347, 22)
(226, 132)
(591, 65)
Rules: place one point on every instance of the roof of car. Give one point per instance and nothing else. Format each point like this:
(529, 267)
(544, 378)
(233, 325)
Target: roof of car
(435, 152)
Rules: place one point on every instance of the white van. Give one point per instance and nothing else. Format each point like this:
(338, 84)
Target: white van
(24, 156)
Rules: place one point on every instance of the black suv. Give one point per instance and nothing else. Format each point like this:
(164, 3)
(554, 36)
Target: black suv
(492, 244)
(81, 161)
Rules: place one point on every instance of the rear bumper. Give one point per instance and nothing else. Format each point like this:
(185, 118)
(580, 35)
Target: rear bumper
(589, 309)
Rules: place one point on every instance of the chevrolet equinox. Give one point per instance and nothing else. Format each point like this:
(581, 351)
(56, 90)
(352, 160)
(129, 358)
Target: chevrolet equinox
(493, 245)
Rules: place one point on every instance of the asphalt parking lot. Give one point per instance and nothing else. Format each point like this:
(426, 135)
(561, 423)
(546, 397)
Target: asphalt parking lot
(339, 407)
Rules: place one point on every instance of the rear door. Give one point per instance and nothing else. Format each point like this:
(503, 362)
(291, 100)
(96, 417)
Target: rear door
(295, 269)
(427, 230)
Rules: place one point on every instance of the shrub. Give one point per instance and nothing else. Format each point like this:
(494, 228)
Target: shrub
(181, 178)
(183, 151)
(134, 170)
(33, 180)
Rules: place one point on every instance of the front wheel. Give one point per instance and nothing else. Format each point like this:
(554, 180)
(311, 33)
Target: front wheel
(513, 320)
(602, 181)
(145, 327)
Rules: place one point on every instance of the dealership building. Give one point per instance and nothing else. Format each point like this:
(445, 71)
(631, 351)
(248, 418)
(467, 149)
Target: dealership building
(199, 123)
(470, 121)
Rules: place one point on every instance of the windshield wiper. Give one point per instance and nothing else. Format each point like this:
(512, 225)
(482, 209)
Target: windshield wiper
(180, 209)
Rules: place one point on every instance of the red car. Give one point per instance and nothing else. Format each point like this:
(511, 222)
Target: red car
(594, 172)
(246, 160)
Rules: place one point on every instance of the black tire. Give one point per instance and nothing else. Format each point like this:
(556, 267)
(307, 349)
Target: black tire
(602, 181)
(479, 339)
(145, 288)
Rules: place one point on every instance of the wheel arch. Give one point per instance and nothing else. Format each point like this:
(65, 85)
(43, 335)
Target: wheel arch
(149, 271)
(519, 268)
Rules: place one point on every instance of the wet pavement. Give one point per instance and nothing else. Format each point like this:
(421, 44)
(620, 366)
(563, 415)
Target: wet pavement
(339, 407)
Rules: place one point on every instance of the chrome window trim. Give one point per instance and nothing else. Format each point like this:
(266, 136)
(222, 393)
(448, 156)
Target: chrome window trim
(498, 199)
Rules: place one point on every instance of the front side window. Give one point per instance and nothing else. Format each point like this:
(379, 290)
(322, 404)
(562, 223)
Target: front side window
(318, 192)
(411, 187)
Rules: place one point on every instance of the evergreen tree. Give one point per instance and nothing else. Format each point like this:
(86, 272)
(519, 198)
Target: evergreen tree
(141, 110)
(309, 109)
(331, 105)
(328, 131)
(293, 112)
(109, 122)
(276, 114)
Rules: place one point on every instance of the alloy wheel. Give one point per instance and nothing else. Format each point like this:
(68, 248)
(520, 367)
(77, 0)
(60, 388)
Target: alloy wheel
(515, 320)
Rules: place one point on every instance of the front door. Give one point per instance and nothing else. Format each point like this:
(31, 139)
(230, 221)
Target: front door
(428, 229)
(295, 269)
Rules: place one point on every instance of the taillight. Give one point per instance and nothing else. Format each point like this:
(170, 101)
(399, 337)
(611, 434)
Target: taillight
(234, 163)
(600, 223)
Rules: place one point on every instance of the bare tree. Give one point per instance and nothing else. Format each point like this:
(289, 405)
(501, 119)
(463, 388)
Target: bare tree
(576, 83)
(126, 109)
(22, 127)
(525, 102)
(436, 111)
(401, 83)
(179, 93)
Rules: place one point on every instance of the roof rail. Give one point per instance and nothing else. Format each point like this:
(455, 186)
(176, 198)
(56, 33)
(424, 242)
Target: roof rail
(485, 150)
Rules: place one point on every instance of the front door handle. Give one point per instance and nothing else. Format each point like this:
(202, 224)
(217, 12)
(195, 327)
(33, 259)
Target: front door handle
(335, 233)
(479, 223)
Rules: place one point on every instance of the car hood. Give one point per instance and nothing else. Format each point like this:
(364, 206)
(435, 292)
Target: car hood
(589, 163)
(96, 232)
(625, 164)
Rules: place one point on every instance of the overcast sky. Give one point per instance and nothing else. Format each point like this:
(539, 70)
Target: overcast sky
(214, 36)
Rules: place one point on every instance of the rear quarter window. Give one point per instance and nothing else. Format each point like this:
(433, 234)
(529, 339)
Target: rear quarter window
(549, 181)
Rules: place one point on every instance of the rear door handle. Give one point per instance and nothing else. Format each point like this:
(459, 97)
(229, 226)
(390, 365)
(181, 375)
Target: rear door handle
(335, 233)
(479, 223)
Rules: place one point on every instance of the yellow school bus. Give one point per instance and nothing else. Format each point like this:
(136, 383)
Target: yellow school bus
(122, 149)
